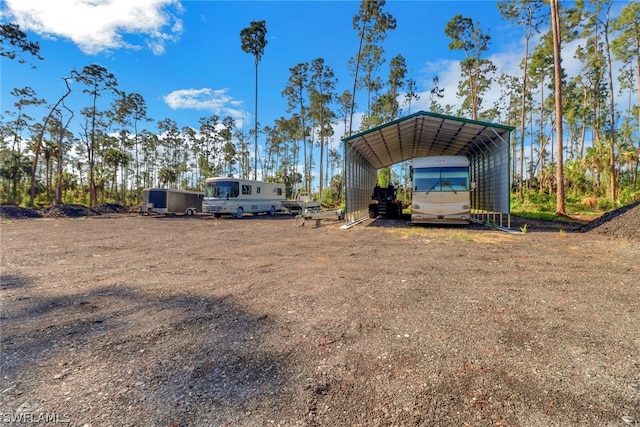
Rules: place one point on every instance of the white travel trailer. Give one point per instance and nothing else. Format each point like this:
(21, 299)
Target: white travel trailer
(441, 190)
(233, 196)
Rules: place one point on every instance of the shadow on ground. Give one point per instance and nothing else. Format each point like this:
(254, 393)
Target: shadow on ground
(193, 347)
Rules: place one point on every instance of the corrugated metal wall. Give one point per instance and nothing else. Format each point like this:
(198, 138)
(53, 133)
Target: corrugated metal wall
(489, 169)
(360, 178)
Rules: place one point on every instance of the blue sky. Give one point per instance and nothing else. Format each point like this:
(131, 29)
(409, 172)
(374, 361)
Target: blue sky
(185, 58)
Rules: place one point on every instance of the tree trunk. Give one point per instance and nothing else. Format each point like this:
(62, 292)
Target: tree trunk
(523, 107)
(635, 171)
(60, 169)
(255, 129)
(613, 174)
(557, 62)
(36, 153)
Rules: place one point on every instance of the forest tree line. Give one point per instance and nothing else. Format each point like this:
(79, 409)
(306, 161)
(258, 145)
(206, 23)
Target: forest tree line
(571, 136)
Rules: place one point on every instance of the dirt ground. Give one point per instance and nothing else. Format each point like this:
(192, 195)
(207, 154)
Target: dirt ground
(116, 319)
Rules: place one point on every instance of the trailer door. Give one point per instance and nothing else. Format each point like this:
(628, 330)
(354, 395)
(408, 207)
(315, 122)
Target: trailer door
(158, 198)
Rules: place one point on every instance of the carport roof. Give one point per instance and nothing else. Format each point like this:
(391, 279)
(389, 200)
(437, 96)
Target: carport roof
(425, 134)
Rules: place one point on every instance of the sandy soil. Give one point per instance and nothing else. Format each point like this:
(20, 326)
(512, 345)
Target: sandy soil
(115, 320)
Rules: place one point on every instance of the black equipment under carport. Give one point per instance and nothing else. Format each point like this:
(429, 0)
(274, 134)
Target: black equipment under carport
(386, 203)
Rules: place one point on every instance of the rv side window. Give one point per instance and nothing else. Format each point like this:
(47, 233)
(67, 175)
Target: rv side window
(246, 189)
(234, 190)
(258, 190)
(279, 191)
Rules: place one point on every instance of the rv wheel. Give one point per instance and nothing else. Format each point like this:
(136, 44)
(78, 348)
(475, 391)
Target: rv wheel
(189, 212)
(272, 212)
(239, 213)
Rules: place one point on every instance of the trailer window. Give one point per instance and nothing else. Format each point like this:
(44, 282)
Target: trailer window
(246, 189)
(258, 190)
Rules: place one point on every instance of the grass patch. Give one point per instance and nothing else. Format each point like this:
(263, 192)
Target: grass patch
(579, 208)
(463, 237)
(542, 216)
(553, 217)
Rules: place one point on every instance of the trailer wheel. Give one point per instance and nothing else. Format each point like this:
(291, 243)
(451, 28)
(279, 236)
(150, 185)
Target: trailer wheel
(217, 215)
(239, 213)
(272, 212)
(189, 212)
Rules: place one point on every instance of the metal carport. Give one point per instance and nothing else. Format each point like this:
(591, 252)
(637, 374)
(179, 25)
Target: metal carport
(486, 145)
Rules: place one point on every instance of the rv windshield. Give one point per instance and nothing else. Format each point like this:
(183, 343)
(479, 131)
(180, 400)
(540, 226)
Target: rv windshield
(222, 189)
(441, 179)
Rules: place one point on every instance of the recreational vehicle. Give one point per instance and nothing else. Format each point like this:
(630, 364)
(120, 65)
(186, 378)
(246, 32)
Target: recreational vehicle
(167, 201)
(441, 190)
(233, 196)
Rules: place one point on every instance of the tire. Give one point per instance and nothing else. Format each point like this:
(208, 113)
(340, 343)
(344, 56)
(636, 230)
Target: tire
(189, 212)
(272, 212)
(239, 213)
(217, 215)
(373, 211)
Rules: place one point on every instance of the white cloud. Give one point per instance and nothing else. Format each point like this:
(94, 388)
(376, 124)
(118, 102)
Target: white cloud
(100, 25)
(216, 101)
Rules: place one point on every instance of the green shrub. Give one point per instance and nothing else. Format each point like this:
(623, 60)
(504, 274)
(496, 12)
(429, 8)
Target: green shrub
(606, 205)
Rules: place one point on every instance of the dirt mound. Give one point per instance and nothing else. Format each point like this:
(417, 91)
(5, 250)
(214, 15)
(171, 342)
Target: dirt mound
(68, 211)
(15, 212)
(77, 211)
(135, 209)
(61, 211)
(623, 222)
(110, 208)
